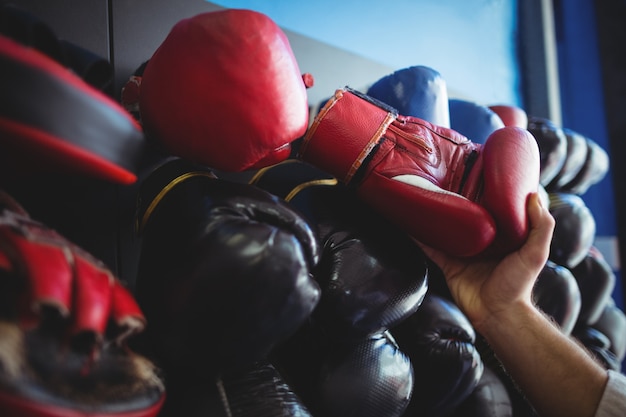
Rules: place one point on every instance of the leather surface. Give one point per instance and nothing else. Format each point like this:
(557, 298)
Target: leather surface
(447, 191)
(224, 90)
(52, 121)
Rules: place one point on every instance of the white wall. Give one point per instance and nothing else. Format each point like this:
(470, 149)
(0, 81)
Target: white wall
(472, 43)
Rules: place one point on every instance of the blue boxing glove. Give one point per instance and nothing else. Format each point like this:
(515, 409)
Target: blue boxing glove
(472, 120)
(417, 91)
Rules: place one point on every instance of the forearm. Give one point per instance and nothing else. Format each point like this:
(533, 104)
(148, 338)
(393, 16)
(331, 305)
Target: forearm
(556, 375)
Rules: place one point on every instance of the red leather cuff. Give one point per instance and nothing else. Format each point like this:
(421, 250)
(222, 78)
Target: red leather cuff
(344, 133)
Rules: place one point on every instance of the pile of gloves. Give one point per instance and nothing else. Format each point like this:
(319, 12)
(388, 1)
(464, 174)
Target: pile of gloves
(256, 262)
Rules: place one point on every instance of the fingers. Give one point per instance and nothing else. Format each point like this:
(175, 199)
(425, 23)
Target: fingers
(537, 247)
(437, 256)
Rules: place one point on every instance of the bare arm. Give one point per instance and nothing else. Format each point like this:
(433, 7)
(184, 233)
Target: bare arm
(557, 376)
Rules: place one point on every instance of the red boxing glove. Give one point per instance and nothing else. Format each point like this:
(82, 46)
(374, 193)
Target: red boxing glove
(511, 115)
(64, 319)
(446, 191)
(224, 90)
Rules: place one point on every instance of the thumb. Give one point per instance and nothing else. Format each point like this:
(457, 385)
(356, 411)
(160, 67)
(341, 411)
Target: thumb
(537, 247)
(437, 256)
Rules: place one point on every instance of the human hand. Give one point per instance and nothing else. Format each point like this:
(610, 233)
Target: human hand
(485, 287)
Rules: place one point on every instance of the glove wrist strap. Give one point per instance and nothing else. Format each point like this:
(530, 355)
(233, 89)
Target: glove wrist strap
(336, 149)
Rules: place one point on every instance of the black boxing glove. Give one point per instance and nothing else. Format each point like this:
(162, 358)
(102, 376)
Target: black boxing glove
(370, 377)
(556, 293)
(371, 273)
(570, 161)
(552, 147)
(612, 323)
(64, 325)
(574, 229)
(439, 341)
(596, 281)
(598, 345)
(334, 376)
(372, 276)
(575, 156)
(255, 390)
(224, 272)
(490, 398)
(594, 169)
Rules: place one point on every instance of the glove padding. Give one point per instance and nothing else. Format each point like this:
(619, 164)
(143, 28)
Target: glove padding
(612, 323)
(224, 271)
(552, 147)
(444, 190)
(593, 170)
(575, 157)
(224, 90)
(596, 281)
(370, 378)
(490, 398)
(335, 376)
(64, 321)
(574, 229)
(598, 345)
(557, 294)
(571, 162)
(372, 275)
(257, 390)
(439, 341)
(53, 121)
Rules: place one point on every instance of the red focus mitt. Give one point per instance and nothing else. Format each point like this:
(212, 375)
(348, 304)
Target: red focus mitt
(64, 320)
(52, 120)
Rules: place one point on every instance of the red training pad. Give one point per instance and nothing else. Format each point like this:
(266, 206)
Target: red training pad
(16, 406)
(52, 121)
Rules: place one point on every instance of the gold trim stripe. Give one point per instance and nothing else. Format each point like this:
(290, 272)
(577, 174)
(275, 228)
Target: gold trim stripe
(373, 141)
(156, 200)
(308, 184)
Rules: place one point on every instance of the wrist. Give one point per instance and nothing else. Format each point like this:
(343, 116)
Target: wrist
(544, 362)
(514, 316)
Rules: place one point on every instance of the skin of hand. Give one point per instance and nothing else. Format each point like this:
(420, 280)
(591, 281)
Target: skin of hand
(555, 373)
(484, 288)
